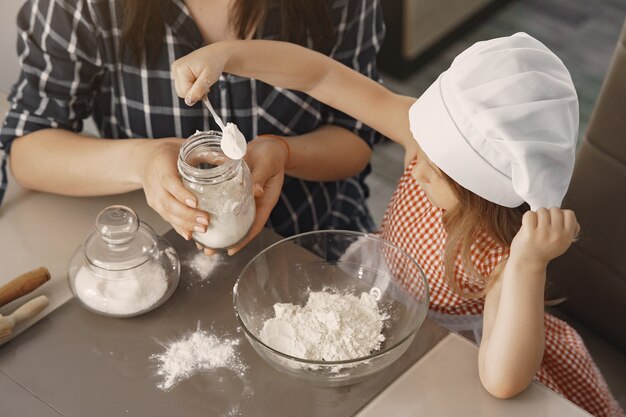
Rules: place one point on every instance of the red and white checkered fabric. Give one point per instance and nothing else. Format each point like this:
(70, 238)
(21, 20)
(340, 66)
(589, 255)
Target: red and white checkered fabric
(412, 223)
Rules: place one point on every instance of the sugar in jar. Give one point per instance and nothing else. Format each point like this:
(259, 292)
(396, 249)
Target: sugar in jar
(123, 268)
(223, 187)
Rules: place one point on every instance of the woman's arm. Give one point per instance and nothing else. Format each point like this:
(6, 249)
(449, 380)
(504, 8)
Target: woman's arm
(64, 162)
(294, 67)
(513, 325)
(54, 94)
(320, 155)
(316, 156)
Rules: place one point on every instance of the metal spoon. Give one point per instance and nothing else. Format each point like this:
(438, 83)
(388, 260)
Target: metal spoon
(207, 103)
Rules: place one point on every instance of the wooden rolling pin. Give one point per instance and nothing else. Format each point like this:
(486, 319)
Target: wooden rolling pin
(24, 312)
(23, 284)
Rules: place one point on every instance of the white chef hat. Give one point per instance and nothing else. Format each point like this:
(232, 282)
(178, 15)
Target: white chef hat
(502, 122)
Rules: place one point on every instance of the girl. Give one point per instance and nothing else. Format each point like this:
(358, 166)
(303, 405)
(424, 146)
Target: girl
(494, 136)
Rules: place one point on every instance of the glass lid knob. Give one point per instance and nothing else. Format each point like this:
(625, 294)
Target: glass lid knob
(117, 224)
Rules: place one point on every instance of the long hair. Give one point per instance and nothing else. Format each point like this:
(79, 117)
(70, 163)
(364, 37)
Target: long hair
(464, 224)
(300, 20)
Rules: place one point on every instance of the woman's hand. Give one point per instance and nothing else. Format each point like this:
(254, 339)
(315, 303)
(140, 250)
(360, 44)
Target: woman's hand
(194, 74)
(267, 159)
(544, 235)
(164, 190)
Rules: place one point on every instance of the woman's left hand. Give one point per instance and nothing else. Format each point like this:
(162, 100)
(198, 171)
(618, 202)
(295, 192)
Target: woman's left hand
(544, 235)
(267, 159)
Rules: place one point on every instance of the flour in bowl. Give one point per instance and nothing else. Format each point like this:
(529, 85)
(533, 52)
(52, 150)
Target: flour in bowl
(330, 327)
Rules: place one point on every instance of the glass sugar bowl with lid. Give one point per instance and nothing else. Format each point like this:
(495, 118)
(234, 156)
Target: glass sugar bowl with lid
(123, 268)
(223, 187)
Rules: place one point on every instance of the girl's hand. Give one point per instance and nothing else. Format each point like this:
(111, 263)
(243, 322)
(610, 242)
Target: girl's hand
(194, 74)
(544, 235)
(164, 190)
(267, 159)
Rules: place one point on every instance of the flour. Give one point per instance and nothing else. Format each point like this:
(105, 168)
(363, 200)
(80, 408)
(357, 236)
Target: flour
(121, 292)
(232, 212)
(199, 351)
(203, 266)
(233, 142)
(223, 185)
(330, 327)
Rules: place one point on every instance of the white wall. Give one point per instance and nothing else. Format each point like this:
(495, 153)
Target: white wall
(8, 35)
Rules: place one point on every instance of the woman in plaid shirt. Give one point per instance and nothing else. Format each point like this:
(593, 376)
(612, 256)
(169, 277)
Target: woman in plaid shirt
(110, 60)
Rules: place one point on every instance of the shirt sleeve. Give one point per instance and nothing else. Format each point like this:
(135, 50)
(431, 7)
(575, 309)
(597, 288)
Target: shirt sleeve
(60, 64)
(360, 33)
(487, 254)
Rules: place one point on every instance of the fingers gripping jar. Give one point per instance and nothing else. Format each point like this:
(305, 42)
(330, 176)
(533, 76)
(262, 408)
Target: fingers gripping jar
(223, 187)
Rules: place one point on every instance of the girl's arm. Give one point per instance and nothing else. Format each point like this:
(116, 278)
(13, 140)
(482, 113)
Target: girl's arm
(294, 67)
(513, 325)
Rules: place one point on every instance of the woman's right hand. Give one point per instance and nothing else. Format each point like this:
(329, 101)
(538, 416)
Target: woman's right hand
(164, 190)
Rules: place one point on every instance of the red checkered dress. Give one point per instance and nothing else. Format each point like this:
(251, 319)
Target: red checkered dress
(415, 225)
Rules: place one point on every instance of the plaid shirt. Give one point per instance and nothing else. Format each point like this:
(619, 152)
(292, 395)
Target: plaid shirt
(71, 70)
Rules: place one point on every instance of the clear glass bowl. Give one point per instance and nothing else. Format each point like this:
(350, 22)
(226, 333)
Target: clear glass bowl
(343, 262)
(123, 268)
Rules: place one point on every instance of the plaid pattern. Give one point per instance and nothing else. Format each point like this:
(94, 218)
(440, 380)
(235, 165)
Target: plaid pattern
(73, 68)
(415, 225)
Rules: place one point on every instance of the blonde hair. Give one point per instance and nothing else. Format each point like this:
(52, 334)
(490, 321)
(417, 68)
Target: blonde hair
(466, 222)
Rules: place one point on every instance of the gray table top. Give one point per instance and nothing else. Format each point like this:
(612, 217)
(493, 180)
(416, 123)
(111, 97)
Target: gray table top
(18, 401)
(76, 363)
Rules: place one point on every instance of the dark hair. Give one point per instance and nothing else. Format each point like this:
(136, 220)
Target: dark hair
(300, 20)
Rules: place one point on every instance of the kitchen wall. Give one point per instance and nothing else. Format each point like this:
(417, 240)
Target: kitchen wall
(8, 36)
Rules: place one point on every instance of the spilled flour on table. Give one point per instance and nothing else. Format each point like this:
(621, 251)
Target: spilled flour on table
(202, 267)
(198, 352)
(330, 327)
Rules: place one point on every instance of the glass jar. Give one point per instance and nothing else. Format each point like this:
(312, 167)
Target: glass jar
(223, 187)
(123, 268)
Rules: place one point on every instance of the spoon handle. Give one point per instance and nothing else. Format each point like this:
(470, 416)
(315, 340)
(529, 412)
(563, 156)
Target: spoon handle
(207, 103)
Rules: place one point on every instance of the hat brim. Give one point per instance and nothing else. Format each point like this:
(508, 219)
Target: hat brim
(437, 134)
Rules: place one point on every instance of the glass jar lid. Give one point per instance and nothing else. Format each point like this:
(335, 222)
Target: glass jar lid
(119, 241)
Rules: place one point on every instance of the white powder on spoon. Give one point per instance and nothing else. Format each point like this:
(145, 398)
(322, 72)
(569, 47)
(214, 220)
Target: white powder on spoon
(233, 143)
(330, 327)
